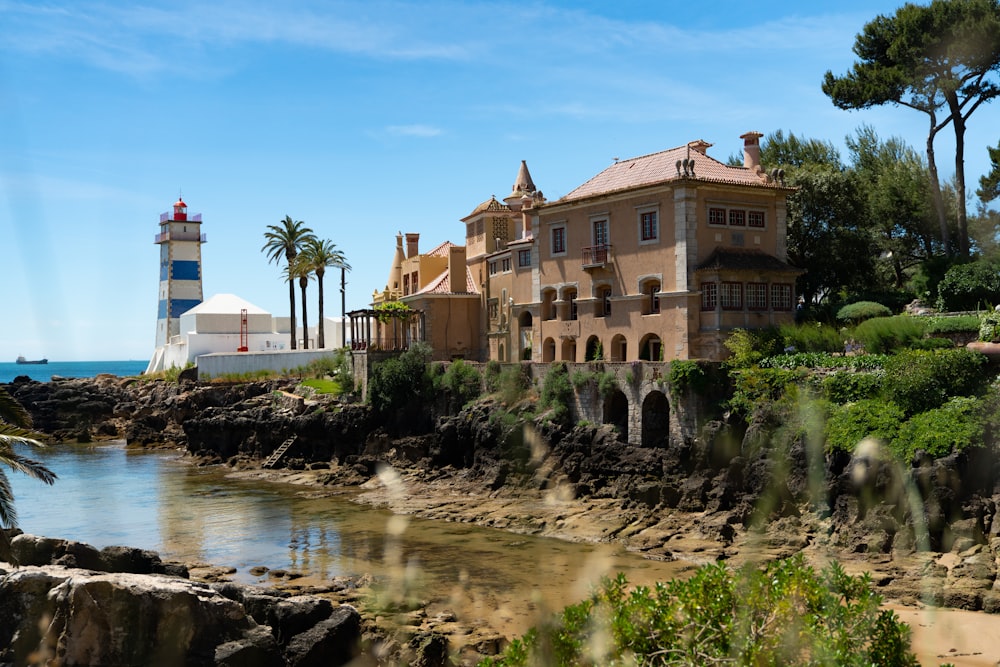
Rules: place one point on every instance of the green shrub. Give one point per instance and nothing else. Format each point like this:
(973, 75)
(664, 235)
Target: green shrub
(811, 337)
(849, 424)
(858, 362)
(918, 380)
(607, 383)
(969, 286)
(785, 613)
(513, 383)
(581, 378)
(849, 386)
(958, 424)
(882, 335)
(749, 347)
(861, 311)
(753, 387)
(951, 325)
(492, 373)
(933, 344)
(462, 382)
(687, 375)
(989, 327)
(402, 381)
(557, 393)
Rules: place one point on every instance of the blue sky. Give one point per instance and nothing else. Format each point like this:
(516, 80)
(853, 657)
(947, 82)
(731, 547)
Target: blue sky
(361, 119)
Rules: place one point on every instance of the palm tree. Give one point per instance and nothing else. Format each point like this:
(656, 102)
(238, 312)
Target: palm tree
(301, 269)
(285, 240)
(15, 425)
(321, 254)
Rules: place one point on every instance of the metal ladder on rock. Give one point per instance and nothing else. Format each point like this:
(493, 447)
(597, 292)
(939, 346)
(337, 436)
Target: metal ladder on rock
(279, 452)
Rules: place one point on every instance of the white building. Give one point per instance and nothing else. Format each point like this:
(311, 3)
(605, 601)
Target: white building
(229, 335)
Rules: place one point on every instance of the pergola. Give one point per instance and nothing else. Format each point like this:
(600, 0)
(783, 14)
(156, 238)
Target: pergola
(388, 330)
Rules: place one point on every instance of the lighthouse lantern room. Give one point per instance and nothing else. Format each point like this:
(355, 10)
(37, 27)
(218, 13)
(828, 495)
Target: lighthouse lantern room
(180, 240)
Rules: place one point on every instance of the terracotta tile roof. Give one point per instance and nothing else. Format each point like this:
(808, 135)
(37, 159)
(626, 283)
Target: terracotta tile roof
(662, 167)
(441, 285)
(744, 260)
(440, 250)
(490, 204)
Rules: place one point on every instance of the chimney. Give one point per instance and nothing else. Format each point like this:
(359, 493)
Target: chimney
(456, 270)
(412, 244)
(751, 150)
(699, 146)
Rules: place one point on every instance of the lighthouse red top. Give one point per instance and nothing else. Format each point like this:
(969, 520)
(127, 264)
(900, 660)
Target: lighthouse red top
(180, 210)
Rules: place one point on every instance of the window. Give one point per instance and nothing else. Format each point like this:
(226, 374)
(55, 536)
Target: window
(755, 219)
(505, 264)
(494, 308)
(716, 216)
(709, 296)
(737, 218)
(558, 240)
(549, 305)
(654, 298)
(648, 226)
(500, 229)
(757, 296)
(571, 298)
(406, 284)
(731, 296)
(524, 258)
(605, 297)
(600, 232)
(781, 296)
(493, 268)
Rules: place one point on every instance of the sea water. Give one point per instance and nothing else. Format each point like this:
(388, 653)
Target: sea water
(71, 369)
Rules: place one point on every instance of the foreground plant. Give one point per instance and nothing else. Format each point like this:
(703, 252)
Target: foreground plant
(785, 613)
(15, 428)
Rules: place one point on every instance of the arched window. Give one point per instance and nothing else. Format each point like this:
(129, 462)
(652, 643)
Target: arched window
(650, 296)
(651, 348)
(549, 350)
(619, 348)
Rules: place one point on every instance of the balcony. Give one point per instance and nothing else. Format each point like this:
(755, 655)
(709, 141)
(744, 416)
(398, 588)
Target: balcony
(596, 256)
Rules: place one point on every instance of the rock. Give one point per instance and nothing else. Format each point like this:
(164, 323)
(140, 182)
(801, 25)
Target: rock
(329, 643)
(115, 618)
(257, 649)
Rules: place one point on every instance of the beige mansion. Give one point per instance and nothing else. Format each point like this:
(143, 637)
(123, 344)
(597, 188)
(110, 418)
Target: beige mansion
(657, 257)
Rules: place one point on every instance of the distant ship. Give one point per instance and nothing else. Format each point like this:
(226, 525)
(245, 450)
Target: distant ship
(22, 360)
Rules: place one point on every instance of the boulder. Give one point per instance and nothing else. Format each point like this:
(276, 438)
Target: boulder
(119, 619)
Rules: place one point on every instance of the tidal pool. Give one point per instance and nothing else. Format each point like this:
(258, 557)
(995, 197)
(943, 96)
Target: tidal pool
(109, 495)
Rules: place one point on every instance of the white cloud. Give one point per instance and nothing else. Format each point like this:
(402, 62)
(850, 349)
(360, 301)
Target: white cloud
(415, 130)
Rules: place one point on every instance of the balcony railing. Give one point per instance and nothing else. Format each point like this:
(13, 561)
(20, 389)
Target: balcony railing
(596, 256)
(180, 236)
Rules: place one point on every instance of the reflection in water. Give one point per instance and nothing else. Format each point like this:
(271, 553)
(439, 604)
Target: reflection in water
(107, 495)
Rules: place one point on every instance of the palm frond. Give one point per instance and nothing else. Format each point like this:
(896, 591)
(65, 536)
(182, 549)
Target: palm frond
(23, 464)
(13, 412)
(8, 513)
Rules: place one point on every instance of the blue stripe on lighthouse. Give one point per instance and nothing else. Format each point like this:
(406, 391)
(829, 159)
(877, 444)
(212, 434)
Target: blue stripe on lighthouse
(185, 270)
(180, 306)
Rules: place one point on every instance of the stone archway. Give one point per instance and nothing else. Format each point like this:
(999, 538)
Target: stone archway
(655, 420)
(616, 413)
(595, 351)
(619, 348)
(569, 350)
(650, 348)
(549, 350)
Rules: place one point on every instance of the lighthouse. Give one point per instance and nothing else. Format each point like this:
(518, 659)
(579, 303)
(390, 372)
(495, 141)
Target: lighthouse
(180, 240)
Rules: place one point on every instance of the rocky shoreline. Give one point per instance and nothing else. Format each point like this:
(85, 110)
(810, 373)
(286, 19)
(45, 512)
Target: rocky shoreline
(928, 534)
